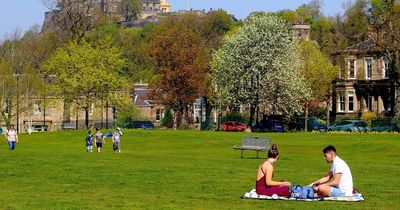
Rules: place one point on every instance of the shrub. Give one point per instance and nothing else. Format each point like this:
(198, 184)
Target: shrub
(367, 117)
(233, 116)
(168, 120)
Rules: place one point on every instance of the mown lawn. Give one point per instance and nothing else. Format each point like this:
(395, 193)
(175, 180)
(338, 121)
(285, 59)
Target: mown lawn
(186, 170)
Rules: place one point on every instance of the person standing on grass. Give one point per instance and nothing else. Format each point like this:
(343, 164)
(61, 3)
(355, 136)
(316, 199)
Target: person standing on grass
(12, 137)
(99, 137)
(264, 184)
(340, 176)
(116, 138)
(89, 142)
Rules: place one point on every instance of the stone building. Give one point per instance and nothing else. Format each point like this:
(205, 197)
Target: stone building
(113, 9)
(363, 82)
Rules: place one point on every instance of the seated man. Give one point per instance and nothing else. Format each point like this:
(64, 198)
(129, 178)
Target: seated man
(340, 174)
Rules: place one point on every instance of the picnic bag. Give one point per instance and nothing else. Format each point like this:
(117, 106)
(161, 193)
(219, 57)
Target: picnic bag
(302, 192)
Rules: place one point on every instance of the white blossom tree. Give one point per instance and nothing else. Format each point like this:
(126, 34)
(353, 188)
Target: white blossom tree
(259, 65)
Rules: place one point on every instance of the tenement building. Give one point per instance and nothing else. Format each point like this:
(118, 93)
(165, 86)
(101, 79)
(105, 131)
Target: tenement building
(363, 82)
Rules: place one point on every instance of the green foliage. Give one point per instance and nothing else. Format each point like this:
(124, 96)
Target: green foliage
(182, 170)
(87, 73)
(132, 9)
(318, 112)
(234, 116)
(317, 70)
(258, 65)
(126, 111)
(367, 117)
(168, 120)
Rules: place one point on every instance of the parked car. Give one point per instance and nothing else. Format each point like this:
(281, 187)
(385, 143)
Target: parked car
(381, 125)
(312, 124)
(140, 124)
(272, 123)
(233, 126)
(350, 126)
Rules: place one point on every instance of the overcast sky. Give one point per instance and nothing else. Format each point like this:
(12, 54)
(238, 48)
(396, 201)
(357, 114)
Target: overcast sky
(23, 14)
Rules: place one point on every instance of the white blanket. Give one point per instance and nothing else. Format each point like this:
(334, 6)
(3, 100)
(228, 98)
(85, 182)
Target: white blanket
(253, 195)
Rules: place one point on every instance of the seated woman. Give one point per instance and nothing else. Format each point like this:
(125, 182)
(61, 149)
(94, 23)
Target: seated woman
(265, 185)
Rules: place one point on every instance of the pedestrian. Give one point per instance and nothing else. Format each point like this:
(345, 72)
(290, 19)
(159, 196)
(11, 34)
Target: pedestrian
(12, 137)
(116, 138)
(89, 142)
(99, 137)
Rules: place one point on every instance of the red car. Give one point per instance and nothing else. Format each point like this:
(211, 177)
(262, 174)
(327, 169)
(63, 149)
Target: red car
(233, 126)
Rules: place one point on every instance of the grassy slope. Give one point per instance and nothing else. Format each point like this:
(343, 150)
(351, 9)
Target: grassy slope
(186, 170)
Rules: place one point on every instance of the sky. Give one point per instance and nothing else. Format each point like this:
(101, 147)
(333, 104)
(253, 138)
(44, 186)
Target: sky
(23, 14)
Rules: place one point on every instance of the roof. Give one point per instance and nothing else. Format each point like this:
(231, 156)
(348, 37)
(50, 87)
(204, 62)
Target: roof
(141, 96)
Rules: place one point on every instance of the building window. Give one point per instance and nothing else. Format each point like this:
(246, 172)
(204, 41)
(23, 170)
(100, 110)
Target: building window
(351, 101)
(352, 69)
(159, 114)
(368, 68)
(369, 103)
(341, 101)
(386, 69)
(340, 72)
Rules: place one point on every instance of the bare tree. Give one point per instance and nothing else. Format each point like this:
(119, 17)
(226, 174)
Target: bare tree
(72, 18)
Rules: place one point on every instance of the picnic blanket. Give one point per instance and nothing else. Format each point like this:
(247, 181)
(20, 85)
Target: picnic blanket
(253, 195)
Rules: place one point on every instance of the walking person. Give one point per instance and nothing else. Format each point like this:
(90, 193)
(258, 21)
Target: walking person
(12, 137)
(89, 142)
(116, 138)
(99, 137)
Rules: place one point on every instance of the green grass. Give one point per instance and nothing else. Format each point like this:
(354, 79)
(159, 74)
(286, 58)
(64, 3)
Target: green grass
(186, 170)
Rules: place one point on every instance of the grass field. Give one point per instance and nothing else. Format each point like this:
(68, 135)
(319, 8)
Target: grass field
(186, 170)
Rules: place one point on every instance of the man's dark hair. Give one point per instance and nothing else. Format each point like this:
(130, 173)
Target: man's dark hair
(329, 148)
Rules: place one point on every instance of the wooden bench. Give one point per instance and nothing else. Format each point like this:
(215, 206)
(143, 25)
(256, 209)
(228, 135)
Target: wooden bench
(253, 143)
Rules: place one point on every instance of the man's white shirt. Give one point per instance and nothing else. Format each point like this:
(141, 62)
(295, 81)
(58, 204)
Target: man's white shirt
(346, 181)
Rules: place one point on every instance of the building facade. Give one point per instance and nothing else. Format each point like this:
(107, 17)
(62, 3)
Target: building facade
(113, 9)
(363, 82)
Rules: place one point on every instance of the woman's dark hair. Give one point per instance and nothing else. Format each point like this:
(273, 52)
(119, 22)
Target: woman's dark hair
(273, 151)
(329, 148)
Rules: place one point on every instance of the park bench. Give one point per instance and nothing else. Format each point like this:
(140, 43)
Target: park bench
(69, 126)
(253, 143)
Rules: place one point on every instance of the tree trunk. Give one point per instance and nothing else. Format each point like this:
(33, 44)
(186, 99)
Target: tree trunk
(251, 118)
(306, 118)
(175, 114)
(87, 117)
(183, 118)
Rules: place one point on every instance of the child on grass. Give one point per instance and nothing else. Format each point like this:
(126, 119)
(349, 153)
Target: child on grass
(89, 142)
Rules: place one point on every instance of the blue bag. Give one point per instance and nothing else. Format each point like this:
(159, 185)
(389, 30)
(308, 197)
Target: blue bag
(302, 192)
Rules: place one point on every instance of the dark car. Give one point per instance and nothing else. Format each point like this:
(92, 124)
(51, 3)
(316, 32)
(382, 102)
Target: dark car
(349, 126)
(141, 124)
(233, 126)
(312, 124)
(272, 124)
(382, 125)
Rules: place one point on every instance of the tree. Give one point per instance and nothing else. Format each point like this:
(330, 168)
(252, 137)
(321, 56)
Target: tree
(384, 17)
(87, 72)
(20, 85)
(182, 62)
(318, 72)
(70, 18)
(258, 65)
(8, 85)
(132, 9)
